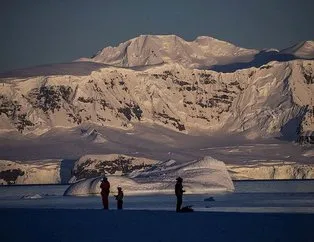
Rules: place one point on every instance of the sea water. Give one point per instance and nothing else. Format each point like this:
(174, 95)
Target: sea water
(290, 196)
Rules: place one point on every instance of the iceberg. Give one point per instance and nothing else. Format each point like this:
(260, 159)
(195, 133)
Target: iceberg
(201, 176)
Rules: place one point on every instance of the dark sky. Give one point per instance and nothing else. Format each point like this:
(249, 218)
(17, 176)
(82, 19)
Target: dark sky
(35, 32)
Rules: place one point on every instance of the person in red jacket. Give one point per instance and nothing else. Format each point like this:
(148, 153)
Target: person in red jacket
(105, 189)
(119, 198)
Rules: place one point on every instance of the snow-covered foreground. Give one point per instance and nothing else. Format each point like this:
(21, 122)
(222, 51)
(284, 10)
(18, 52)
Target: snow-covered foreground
(256, 211)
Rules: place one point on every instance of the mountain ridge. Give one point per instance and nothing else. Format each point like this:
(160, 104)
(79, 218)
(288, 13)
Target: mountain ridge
(157, 49)
(268, 99)
(203, 52)
(215, 61)
(257, 101)
(181, 101)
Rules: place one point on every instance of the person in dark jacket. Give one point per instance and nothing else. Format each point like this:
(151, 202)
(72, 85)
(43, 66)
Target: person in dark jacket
(179, 193)
(119, 198)
(105, 190)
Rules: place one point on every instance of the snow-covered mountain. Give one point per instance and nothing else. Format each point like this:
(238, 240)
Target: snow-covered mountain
(202, 53)
(147, 50)
(277, 97)
(160, 81)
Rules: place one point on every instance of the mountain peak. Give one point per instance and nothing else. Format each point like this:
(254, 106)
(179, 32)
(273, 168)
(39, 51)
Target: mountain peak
(146, 50)
(203, 38)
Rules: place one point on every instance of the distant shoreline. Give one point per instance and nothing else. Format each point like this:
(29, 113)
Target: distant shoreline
(235, 181)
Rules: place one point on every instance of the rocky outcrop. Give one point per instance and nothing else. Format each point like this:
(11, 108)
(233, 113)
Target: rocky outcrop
(112, 164)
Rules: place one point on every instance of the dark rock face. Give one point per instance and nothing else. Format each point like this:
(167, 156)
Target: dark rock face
(101, 167)
(131, 110)
(308, 76)
(12, 109)
(174, 121)
(10, 176)
(48, 98)
(306, 137)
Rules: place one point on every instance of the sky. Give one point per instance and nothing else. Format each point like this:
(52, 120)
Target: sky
(37, 32)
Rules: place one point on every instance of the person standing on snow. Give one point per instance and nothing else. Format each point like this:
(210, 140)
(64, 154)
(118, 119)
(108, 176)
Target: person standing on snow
(119, 198)
(179, 193)
(105, 189)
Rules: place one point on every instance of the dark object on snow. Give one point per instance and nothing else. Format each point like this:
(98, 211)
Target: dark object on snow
(179, 193)
(187, 209)
(210, 199)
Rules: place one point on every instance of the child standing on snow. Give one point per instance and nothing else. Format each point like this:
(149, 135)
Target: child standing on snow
(119, 198)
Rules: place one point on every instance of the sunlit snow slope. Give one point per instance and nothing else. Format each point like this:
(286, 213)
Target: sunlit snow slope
(274, 98)
(147, 50)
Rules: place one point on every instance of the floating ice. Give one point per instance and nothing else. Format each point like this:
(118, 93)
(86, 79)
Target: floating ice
(34, 196)
(199, 176)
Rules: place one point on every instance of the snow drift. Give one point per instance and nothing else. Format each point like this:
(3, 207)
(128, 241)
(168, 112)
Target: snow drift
(200, 176)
